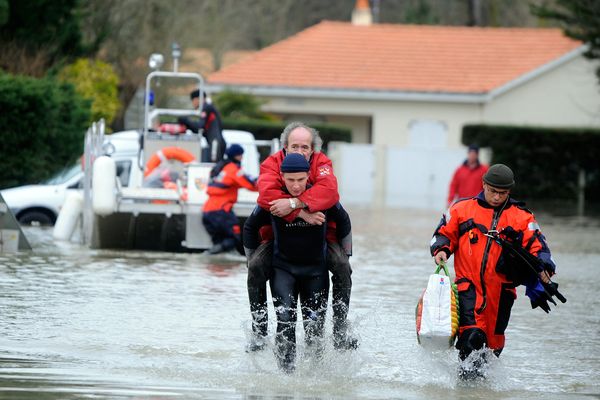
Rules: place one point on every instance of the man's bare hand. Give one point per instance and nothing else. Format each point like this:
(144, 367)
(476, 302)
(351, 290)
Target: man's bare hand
(316, 218)
(545, 278)
(441, 256)
(280, 207)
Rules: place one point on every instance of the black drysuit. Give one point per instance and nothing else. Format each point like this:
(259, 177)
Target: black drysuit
(299, 269)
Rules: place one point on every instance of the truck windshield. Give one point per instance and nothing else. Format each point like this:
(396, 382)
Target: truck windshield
(63, 175)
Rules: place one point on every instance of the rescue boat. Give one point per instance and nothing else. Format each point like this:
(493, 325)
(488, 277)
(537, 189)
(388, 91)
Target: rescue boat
(142, 214)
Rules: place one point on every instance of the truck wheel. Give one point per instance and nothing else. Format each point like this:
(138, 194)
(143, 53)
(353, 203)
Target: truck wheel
(35, 218)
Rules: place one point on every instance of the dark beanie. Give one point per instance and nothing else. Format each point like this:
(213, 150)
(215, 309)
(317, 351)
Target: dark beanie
(234, 150)
(196, 93)
(294, 162)
(474, 147)
(500, 176)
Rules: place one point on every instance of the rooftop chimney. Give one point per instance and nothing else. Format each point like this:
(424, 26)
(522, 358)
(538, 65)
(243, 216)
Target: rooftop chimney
(361, 15)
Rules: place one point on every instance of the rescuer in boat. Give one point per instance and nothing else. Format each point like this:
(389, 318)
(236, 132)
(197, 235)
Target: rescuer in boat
(497, 245)
(209, 124)
(221, 223)
(299, 262)
(322, 195)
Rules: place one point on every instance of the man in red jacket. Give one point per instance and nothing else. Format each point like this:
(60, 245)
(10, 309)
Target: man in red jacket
(467, 178)
(322, 195)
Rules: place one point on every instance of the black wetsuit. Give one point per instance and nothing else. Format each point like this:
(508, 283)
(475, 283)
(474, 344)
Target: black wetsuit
(212, 128)
(299, 269)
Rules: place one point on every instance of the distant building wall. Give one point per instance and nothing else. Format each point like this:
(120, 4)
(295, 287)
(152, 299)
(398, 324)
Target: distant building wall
(392, 176)
(565, 96)
(381, 122)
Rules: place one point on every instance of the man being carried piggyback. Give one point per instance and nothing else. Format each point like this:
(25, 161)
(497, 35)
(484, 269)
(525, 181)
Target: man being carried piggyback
(321, 195)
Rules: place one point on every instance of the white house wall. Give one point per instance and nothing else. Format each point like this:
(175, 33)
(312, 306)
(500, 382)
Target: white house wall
(391, 176)
(361, 126)
(390, 119)
(565, 96)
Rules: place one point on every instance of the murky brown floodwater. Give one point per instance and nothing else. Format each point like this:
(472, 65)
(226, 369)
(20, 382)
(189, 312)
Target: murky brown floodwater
(80, 323)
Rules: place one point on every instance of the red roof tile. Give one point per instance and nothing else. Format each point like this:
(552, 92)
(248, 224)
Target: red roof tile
(419, 58)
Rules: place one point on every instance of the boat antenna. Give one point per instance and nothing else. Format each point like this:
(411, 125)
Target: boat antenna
(176, 53)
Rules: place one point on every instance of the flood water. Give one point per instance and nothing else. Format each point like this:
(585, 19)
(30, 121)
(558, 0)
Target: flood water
(79, 323)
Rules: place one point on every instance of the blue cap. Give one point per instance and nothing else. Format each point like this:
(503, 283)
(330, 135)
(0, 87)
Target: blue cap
(294, 162)
(234, 150)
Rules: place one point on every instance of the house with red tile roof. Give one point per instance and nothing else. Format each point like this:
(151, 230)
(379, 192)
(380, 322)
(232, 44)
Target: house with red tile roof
(379, 79)
(406, 91)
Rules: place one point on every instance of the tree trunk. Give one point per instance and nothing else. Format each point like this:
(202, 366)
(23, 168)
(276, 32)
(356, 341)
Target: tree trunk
(474, 13)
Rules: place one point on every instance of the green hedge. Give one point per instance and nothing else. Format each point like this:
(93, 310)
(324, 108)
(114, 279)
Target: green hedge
(43, 124)
(546, 161)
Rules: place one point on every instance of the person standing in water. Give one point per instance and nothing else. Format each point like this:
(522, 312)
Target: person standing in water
(472, 231)
(466, 181)
(299, 261)
(322, 194)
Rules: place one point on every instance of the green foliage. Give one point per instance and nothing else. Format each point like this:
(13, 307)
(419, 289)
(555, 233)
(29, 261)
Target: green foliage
(546, 161)
(580, 20)
(44, 24)
(43, 125)
(420, 14)
(3, 12)
(98, 82)
(238, 105)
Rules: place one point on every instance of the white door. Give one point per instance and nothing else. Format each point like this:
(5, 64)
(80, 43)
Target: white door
(418, 175)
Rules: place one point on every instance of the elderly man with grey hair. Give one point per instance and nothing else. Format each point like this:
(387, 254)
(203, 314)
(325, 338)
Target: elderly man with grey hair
(297, 137)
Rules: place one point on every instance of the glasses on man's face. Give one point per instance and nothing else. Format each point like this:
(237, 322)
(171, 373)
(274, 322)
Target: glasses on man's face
(494, 192)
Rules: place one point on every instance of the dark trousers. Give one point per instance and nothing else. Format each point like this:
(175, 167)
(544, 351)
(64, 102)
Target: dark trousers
(313, 291)
(260, 270)
(216, 144)
(223, 227)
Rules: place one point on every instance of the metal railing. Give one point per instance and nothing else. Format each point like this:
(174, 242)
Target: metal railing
(93, 148)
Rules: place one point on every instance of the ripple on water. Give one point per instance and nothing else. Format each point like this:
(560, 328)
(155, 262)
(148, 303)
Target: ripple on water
(117, 323)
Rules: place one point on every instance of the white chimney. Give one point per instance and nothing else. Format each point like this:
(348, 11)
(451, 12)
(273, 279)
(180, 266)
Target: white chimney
(361, 15)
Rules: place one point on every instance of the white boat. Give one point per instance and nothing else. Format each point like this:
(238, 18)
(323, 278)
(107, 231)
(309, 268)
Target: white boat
(120, 211)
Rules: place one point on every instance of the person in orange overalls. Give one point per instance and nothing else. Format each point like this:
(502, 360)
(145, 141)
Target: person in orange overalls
(486, 291)
(218, 217)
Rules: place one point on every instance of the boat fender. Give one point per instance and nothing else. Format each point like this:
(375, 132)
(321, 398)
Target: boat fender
(104, 198)
(68, 216)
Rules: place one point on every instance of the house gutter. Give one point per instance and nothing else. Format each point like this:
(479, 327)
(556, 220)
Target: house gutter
(351, 94)
(394, 95)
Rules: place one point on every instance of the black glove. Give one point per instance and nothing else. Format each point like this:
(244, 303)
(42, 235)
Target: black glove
(512, 235)
(542, 302)
(552, 289)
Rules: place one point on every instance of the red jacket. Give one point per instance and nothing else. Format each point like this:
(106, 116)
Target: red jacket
(466, 182)
(223, 188)
(322, 195)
